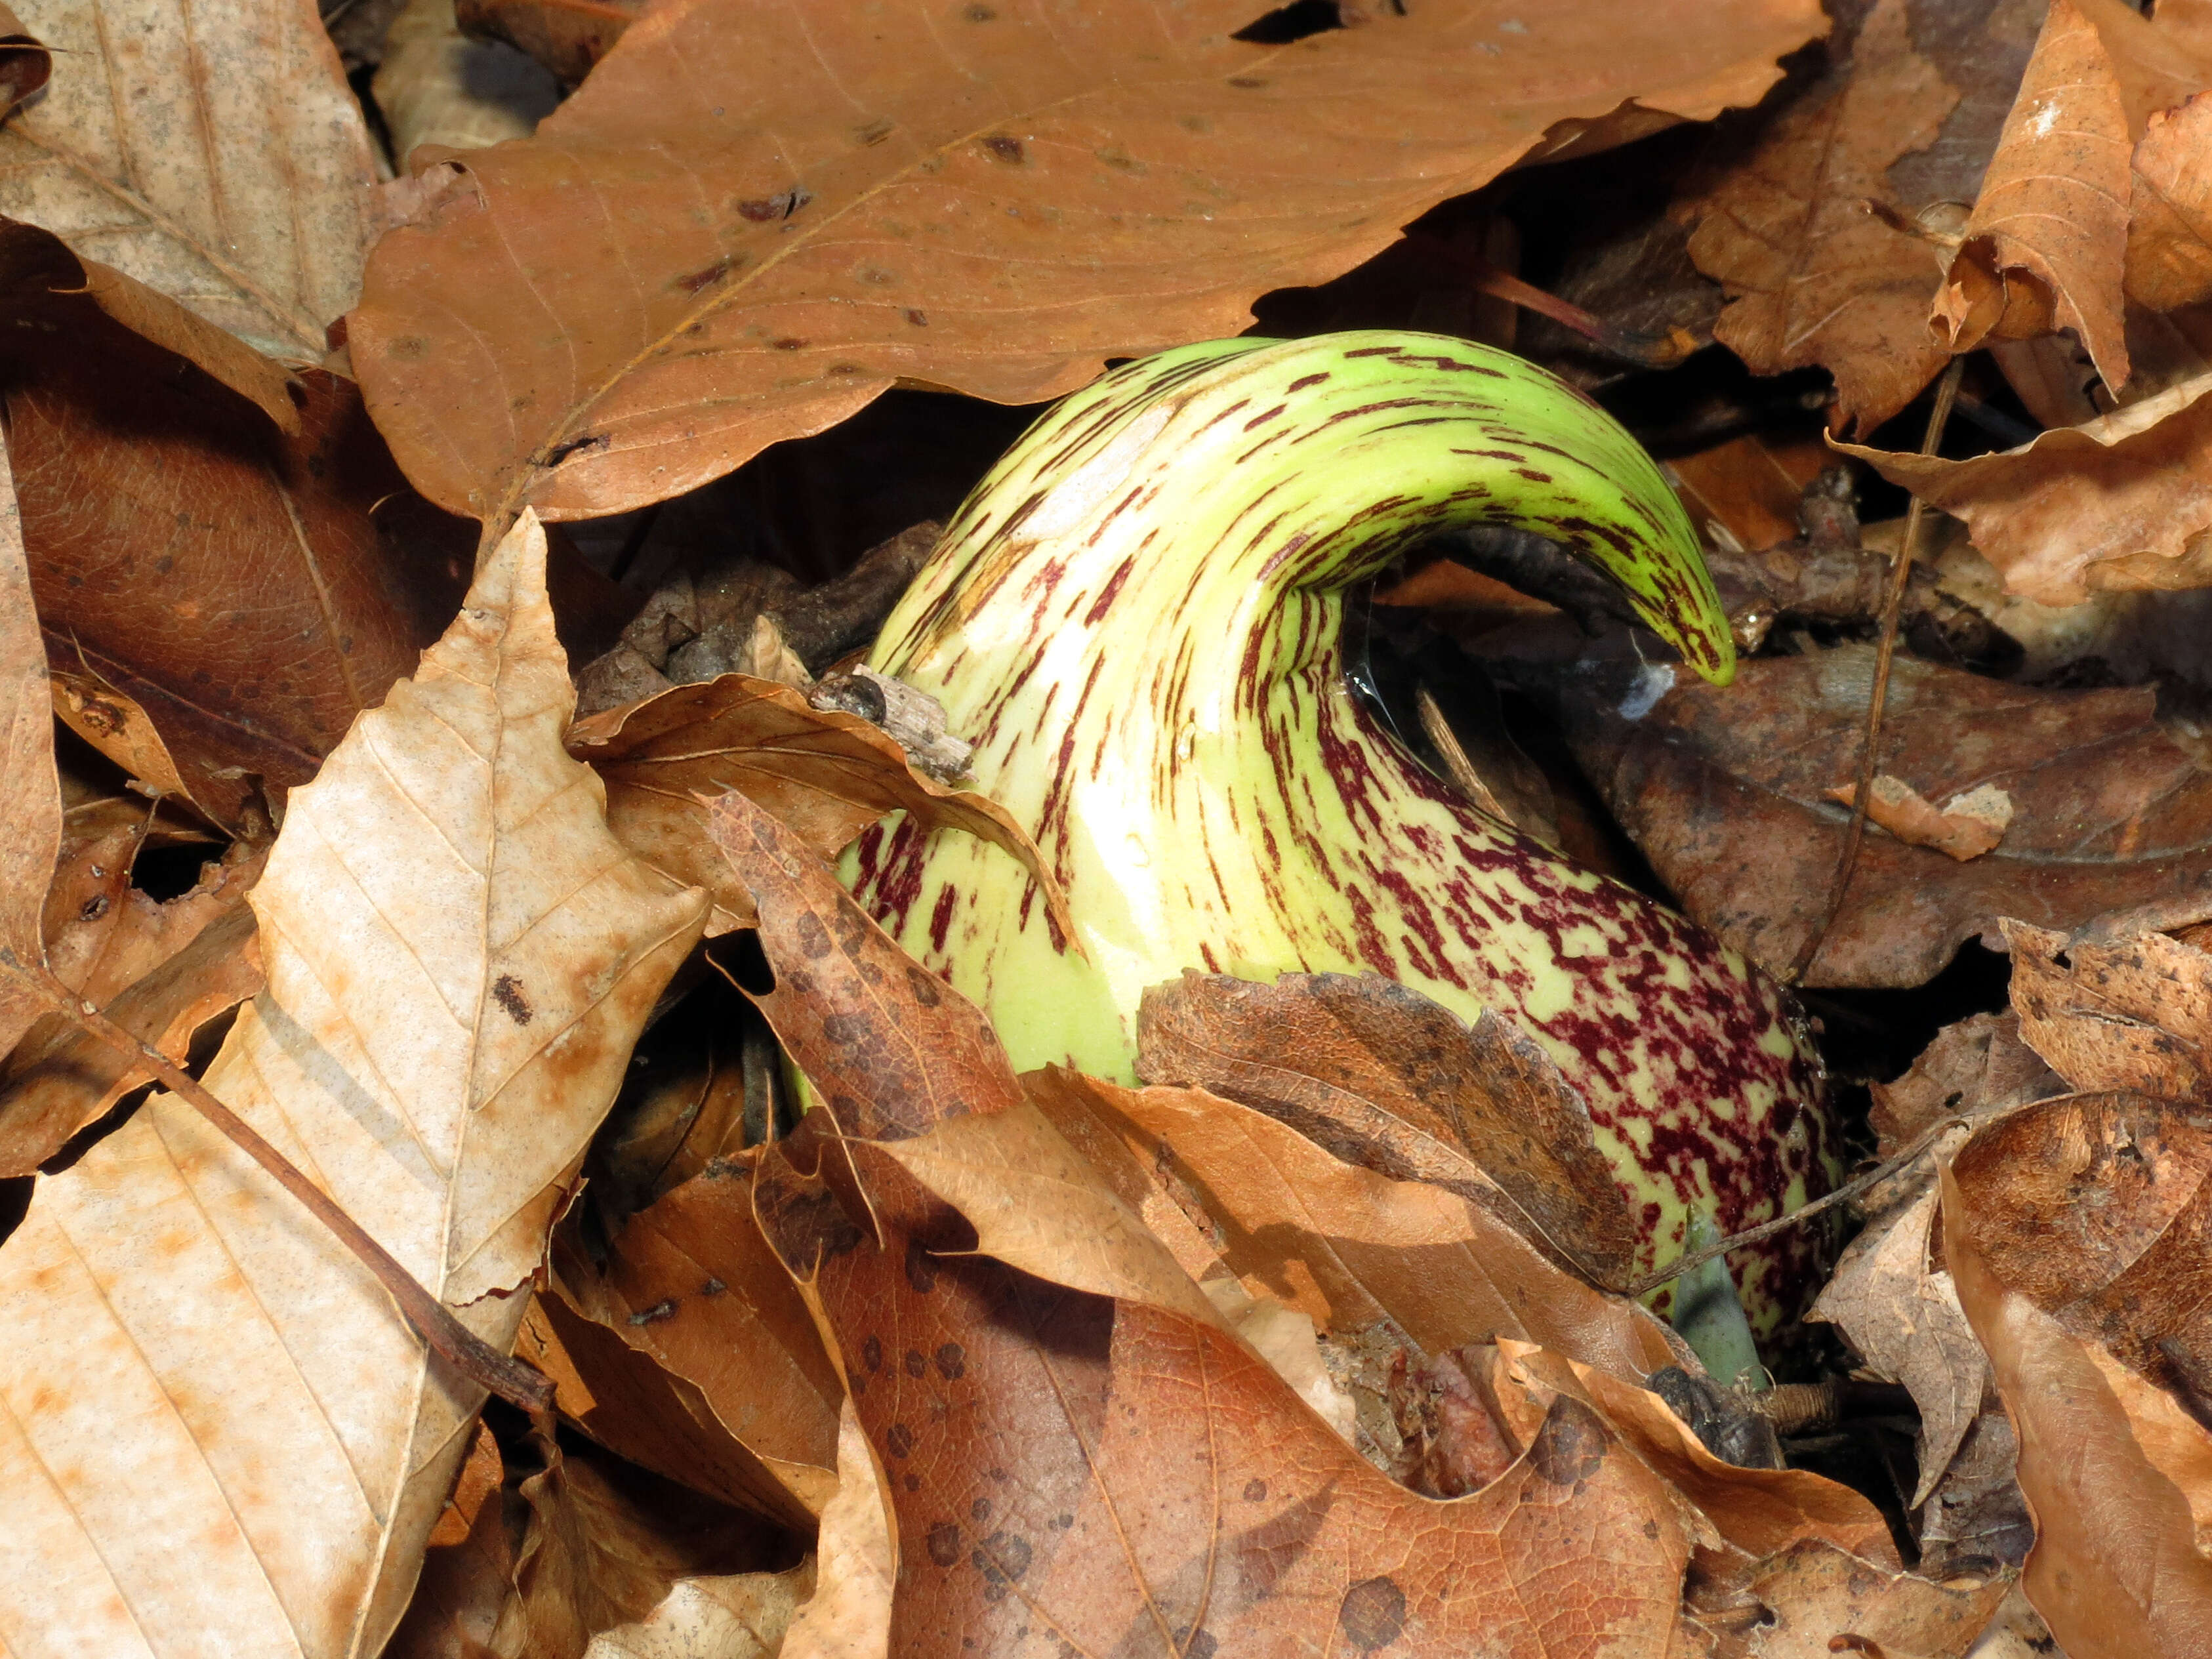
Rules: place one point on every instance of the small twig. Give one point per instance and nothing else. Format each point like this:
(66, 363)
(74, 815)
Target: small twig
(453, 1342)
(1632, 345)
(1892, 608)
(1843, 1194)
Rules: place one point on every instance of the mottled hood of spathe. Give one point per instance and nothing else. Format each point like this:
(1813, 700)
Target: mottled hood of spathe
(1135, 618)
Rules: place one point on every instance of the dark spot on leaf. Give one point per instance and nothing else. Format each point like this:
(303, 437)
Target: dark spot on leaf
(920, 1271)
(1372, 1614)
(873, 132)
(575, 447)
(980, 15)
(507, 991)
(788, 342)
(844, 1028)
(1197, 1644)
(713, 1287)
(1001, 1558)
(916, 317)
(1255, 1490)
(408, 346)
(1000, 148)
(898, 1440)
(923, 984)
(663, 1309)
(766, 210)
(845, 1108)
(980, 1510)
(1247, 83)
(916, 1362)
(951, 1360)
(872, 1353)
(707, 278)
(1571, 1445)
(93, 908)
(943, 1543)
(813, 937)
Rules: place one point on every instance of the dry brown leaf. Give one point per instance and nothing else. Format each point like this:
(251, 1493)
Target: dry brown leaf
(249, 591)
(783, 220)
(2046, 245)
(2136, 1015)
(621, 1396)
(1098, 1471)
(2120, 502)
(459, 957)
(1349, 1247)
(1821, 1600)
(1975, 1067)
(1755, 1510)
(63, 1078)
(690, 1283)
(117, 726)
(213, 153)
(2076, 1230)
(1724, 790)
(1965, 827)
(828, 774)
(2170, 214)
(31, 830)
(1904, 1320)
(1813, 276)
(1294, 1048)
(743, 1616)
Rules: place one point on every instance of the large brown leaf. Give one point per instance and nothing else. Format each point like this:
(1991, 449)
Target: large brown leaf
(2121, 501)
(827, 774)
(1814, 276)
(459, 957)
(251, 591)
(1725, 791)
(213, 152)
(2076, 1231)
(745, 226)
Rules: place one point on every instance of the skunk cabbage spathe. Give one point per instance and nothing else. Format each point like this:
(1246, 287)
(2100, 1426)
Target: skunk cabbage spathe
(1135, 619)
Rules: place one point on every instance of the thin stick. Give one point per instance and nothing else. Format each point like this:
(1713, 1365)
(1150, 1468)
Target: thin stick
(453, 1342)
(1843, 1194)
(1892, 607)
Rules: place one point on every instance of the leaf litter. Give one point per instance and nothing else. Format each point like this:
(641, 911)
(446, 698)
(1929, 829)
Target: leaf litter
(837, 1337)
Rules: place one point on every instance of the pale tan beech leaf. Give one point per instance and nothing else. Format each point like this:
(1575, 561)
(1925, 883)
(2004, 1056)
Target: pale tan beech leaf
(217, 1434)
(211, 151)
(753, 220)
(30, 790)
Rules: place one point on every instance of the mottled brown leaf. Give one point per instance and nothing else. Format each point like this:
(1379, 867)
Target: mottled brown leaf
(889, 1047)
(1820, 1600)
(1814, 276)
(30, 790)
(1725, 790)
(826, 774)
(2123, 501)
(1121, 1478)
(213, 153)
(745, 226)
(2136, 1015)
(249, 592)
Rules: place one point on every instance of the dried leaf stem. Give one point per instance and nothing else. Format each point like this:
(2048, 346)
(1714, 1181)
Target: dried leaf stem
(1892, 607)
(462, 1348)
(1843, 1194)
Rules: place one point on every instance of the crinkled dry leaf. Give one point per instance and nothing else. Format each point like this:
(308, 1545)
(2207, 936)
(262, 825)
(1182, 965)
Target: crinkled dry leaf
(459, 957)
(435, 86)
(1965, 827)
(1974, 1068)
(1294, 1048)
(1904, 1322)
(2121, 502)
(1818, 1600)
(1724, 790)
(2136, 1015)
(2047, 243)
(1813, 276)
(826, 774)
(2170, 215)
(214, 153)
(1349, 1246)
(117, 726)
(31, 829)
(2075, 1231)
(249, 592)
(742, 1616)
(743, 228)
